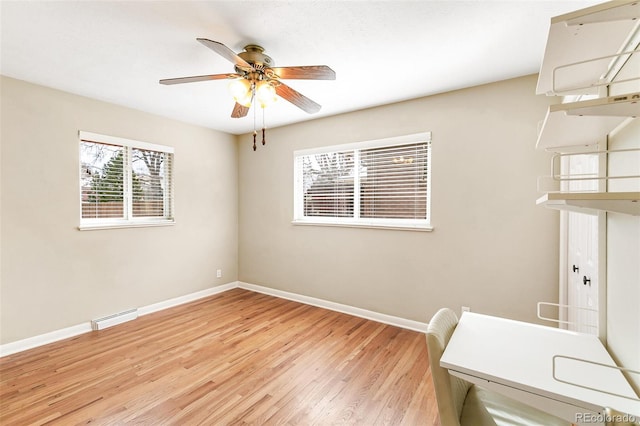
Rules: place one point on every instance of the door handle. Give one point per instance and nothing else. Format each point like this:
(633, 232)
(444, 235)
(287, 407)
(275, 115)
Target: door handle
(586, 280)
(575, 268)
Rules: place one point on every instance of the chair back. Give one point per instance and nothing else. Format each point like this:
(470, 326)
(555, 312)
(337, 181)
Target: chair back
(450, 391)
(616, 418)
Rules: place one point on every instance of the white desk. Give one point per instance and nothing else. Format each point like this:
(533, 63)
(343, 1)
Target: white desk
(516, 359)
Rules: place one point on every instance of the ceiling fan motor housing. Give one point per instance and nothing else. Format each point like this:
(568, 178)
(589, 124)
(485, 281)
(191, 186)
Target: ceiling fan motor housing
(255, 56)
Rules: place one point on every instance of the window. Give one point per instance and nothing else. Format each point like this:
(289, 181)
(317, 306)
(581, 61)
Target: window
(383, 183)
(124, 182)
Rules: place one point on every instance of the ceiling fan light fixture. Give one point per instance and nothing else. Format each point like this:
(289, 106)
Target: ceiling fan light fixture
(245, 101)
(240, 89)
(265, 93)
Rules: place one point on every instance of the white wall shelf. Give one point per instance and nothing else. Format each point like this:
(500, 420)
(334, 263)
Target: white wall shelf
(582, 36)
(593, 202)
(585, 52)
(586, 122)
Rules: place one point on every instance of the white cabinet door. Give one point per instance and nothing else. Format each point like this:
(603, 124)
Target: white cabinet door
(582, 250)
(582, 280)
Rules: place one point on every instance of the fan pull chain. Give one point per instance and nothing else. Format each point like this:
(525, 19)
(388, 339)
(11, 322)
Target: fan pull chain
(263, 128)
(254, 128)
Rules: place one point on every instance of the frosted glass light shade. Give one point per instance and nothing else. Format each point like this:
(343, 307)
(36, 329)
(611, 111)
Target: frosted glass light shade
(240, 89)
(265, 93)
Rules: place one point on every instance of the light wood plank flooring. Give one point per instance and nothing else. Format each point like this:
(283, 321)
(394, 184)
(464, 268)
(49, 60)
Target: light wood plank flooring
(231, 359)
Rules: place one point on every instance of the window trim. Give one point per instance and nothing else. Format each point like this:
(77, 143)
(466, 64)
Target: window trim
(88, 224)
(379, 223)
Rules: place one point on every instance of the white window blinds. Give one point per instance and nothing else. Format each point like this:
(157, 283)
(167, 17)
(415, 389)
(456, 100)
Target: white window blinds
(102, 180)
(328, 184)
(150, 182)
(378, 183)
(124, 182)
(393, 182)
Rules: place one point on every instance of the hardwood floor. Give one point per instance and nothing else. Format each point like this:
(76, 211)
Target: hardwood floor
(234, 358)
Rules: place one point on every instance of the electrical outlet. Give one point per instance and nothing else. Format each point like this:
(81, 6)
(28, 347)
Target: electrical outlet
(219, 273)
(465, 309)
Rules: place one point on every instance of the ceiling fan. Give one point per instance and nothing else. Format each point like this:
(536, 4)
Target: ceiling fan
(256, 78)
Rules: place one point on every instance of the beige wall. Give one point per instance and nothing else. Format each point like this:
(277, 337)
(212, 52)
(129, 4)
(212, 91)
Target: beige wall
(492, 248)
(55, 276)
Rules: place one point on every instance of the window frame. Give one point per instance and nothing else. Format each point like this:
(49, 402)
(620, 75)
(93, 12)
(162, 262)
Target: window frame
(378, 223)
(128, 220)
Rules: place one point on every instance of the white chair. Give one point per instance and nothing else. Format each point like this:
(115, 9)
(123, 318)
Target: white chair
(616, 418)
(461, 403)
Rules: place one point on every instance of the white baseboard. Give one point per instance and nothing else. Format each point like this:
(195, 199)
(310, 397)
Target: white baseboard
(44, 339)
(338, 307)
(166, 304)
(65, 333)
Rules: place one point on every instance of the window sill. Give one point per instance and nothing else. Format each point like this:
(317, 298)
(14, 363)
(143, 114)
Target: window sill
(398, 227)
(118, 225)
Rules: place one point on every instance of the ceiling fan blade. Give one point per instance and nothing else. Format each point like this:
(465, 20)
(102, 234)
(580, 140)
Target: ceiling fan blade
(296, 98)
(226, 53)
(310, 72)
(239, 111)
(196, 78)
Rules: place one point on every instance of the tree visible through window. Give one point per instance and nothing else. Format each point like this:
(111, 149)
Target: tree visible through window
(147, 183)
(102, 169)
(328, 182)
(121, 182)
(378, 183)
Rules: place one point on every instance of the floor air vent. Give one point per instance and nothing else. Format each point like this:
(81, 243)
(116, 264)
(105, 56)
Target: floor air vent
(115, 319)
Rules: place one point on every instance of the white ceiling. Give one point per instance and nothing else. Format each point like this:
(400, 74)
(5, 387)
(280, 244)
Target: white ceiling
(382, 51)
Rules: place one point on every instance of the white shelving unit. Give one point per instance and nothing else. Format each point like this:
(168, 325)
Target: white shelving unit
(593, 202)
(576, 40)
(586, 122)
(585, 51)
